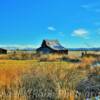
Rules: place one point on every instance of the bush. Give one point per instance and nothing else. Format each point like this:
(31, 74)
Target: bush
(21, 56)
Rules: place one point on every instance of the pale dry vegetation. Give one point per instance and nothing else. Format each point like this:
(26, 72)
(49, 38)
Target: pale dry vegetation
(47, 77)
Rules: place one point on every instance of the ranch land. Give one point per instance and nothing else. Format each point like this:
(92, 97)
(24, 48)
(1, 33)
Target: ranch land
(28, 76)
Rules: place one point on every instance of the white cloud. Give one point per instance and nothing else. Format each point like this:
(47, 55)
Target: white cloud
(97, 23)
(86, 6)
(80, 32)
(50, 28)
(92, 7)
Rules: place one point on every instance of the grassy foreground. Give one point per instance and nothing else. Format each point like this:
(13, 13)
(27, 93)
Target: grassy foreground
(35, 80)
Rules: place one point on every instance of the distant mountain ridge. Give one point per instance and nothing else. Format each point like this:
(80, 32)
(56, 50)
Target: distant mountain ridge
(16, 48)
(70, 49)
(84, 49)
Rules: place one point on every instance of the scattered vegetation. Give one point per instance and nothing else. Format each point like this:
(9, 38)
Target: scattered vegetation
(27, 76)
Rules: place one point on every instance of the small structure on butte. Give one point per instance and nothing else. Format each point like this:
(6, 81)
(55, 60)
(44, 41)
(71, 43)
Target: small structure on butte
(3, 51)
(52, 46)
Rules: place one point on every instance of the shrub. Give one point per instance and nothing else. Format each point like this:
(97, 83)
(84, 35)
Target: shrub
(21, 56)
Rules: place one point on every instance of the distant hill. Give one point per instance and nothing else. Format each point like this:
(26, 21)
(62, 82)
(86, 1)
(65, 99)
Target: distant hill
(71, 49)
(28, 49)
(23, 49)
(84, 49)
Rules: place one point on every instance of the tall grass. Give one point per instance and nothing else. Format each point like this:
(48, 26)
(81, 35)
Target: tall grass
(36, 80)
(39, 87)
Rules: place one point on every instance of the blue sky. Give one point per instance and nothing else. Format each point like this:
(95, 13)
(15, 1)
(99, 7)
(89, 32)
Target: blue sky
(75, 23)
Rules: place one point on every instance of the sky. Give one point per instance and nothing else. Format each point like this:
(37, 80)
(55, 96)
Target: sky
(75, 23)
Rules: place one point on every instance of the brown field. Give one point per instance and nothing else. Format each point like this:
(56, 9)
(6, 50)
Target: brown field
(55, 75)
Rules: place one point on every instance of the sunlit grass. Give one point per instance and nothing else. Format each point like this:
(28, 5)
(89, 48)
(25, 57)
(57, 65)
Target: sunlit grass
(64, 74)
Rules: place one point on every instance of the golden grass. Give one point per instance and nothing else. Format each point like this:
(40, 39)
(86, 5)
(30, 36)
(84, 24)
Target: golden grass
(11, 71)
(65, 74)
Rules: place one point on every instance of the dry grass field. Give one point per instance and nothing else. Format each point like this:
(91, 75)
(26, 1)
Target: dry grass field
(47, 77)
